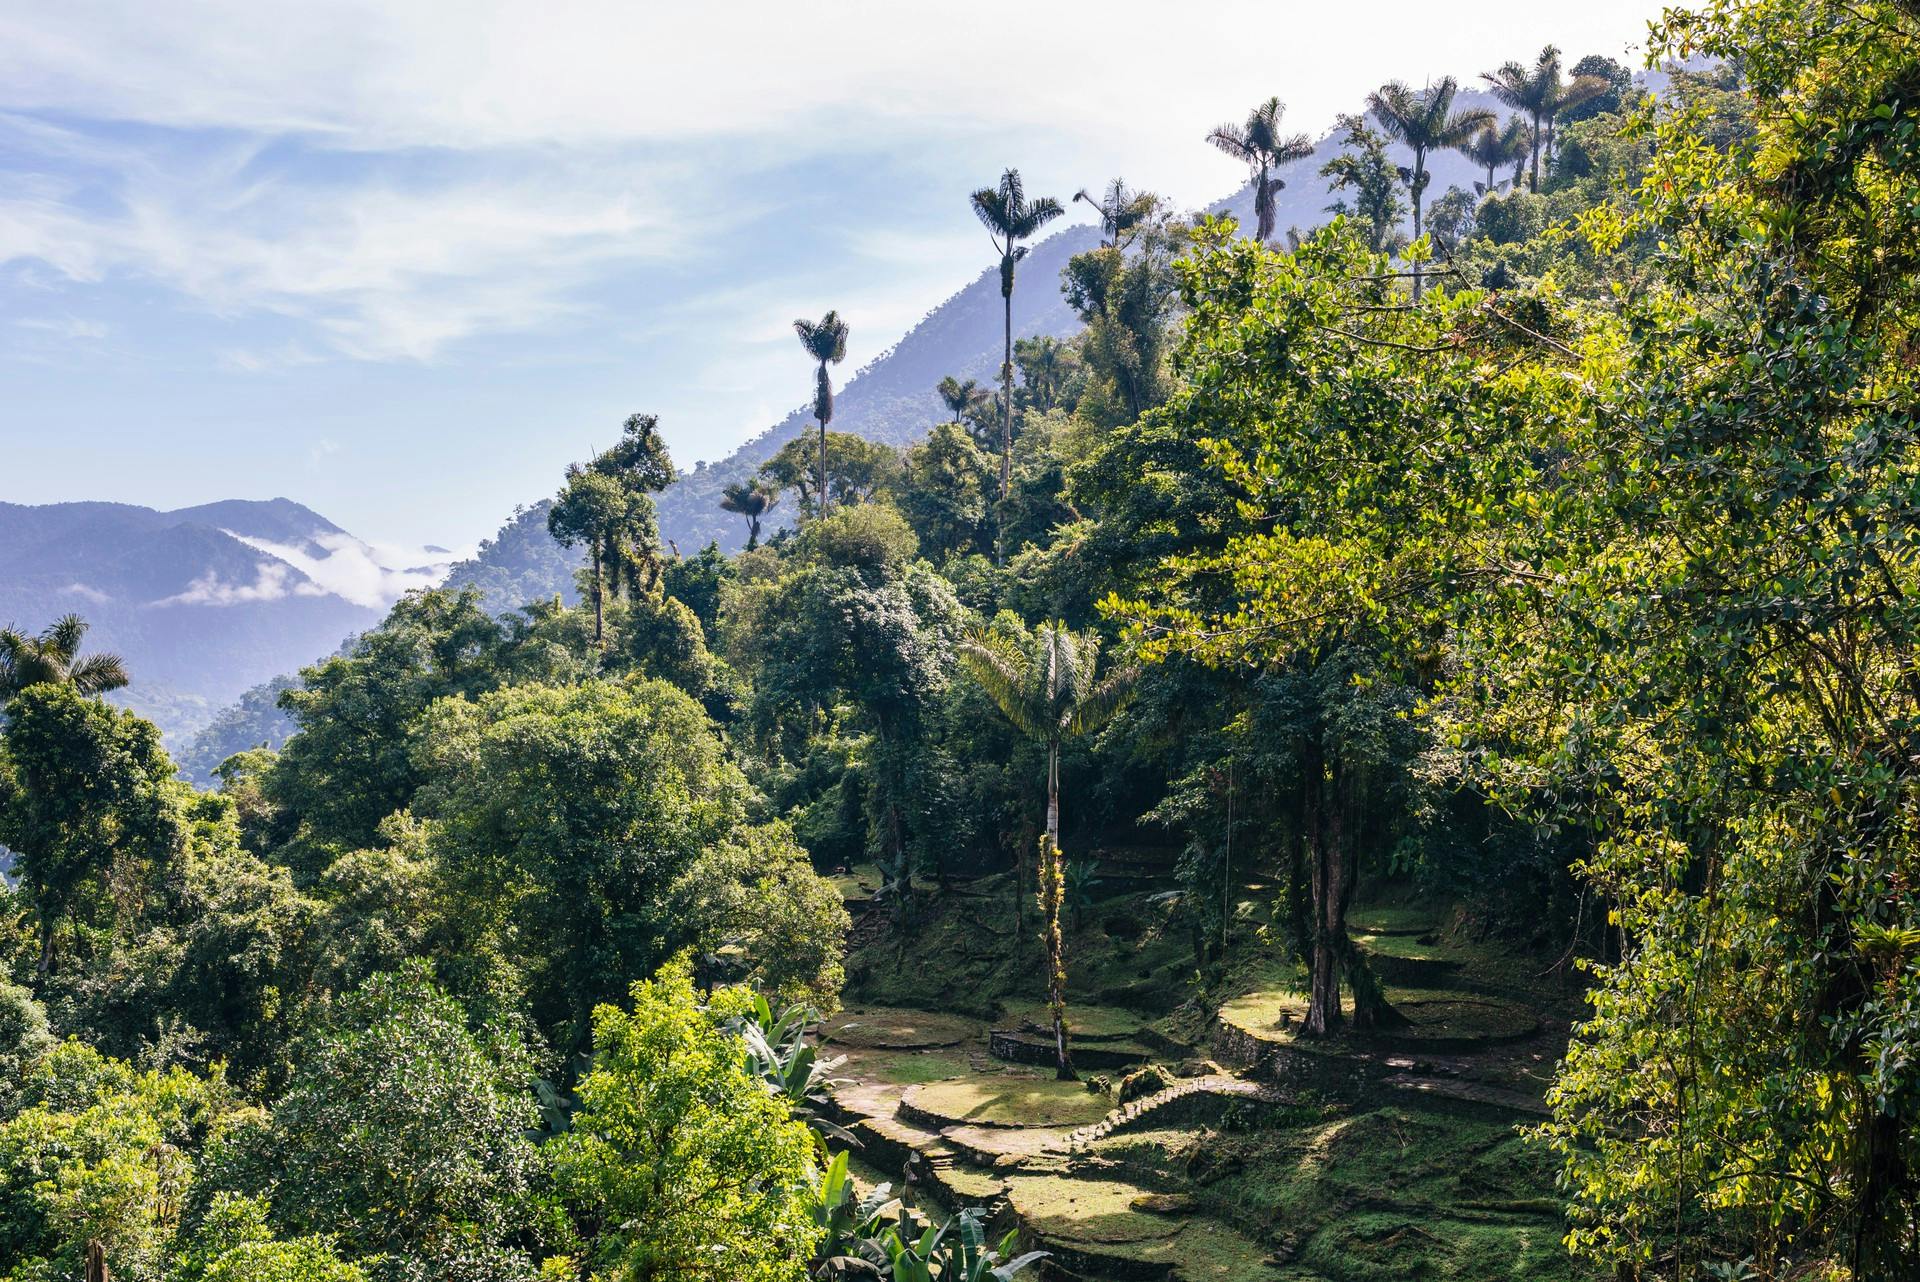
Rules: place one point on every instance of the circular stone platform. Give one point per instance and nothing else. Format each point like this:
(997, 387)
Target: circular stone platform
(897, 1028)
(1002, 1101)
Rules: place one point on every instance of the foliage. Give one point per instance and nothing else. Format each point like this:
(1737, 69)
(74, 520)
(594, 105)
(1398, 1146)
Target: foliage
(680, 1164)
(402, 1136)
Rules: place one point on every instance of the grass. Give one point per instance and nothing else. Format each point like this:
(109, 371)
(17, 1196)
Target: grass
(858, 882)
(1009, 1101)
(1091, 1023)
(894, 1028)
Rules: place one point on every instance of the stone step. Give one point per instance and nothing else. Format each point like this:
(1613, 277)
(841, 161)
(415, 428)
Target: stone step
(1131, 1113)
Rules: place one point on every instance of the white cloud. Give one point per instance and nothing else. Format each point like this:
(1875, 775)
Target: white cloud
(86, 593)
(273, 580)
(365, 574)
(380, 265)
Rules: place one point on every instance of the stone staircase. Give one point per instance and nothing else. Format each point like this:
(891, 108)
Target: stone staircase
(1176, 1103)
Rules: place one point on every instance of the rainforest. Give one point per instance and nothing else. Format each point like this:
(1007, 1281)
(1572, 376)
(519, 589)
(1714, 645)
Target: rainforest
(1391, 751)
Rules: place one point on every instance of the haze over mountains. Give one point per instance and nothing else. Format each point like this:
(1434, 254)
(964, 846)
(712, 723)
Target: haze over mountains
(202, 602)
(209, 603)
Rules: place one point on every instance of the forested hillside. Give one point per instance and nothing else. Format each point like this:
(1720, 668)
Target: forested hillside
(1384, 752)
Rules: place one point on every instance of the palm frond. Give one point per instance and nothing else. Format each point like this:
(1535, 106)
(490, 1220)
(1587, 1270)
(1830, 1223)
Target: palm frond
(98, 673)
(64, 637)
(1007, 676)
(1103, 702)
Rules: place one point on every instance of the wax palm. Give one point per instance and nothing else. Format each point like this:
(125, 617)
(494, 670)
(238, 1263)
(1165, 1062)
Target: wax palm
(1494, 148)
(1121, 209)
(1051, 690)
(1258, 143)
(1541, 94)
(1010, 218)
(751, 500)
(1425, 121)
(53, 658)
(825, 341)
(960, 398)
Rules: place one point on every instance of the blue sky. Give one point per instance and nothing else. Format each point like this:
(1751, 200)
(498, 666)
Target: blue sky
(402, 262)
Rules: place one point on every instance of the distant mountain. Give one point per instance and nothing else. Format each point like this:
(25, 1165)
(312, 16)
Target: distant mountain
(892, 399)
(202, 602)
(520, 564)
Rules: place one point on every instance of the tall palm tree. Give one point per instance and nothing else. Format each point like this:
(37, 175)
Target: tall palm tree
(1494, 148)
(53, 658)
(1010, 218)
(752, 500)
(1542, 95)
(1122, 210)
(1258, 143)
(825, 341)
(960, 398)
(1424, 120)
(1051, 690)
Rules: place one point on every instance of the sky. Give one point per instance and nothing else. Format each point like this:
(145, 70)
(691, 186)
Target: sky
(402, 262)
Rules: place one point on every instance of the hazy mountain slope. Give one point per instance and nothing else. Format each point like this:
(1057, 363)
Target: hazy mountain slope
(197, 613)
(892, 398)
(520, 564)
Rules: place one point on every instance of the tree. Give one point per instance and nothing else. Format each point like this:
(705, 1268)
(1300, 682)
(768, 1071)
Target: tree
(960, 398)
(1258, 144)
(1365, 168)
(53, 658)
(679, 1164)
(1121, 210)
(1425, 121)
(593, 510)
(1010, 218)
(1543, 94)
(1047, 685)
(101, 1161)
(945, 491)
(563, 818)
(89, 805)
(825, 341)
(1610, 101)
(403, 1132)
(752, 500)
(1496, 146)
(1047, 370)
(856, 468)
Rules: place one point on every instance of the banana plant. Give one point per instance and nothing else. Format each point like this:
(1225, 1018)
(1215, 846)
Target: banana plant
(779, 1054)
(957, 1251)
(849, 1221)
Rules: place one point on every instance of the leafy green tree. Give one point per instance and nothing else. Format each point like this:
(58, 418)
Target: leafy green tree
(103, 1153)
(53, 658)
(562, 817)
(402, 1136)
(1609, 102)
(1129, 301)
(89, 806)
(1046, 683)
(680, 1165)
(24, 1039)
(1258, 144)
(825, 341)
(1048, 367)
(856, 469)
(1425, 121)
(349, 766)
(1365, 168)
(698, 581)
(944, 491)
(235, 1243)
(1010, 218)
(595, 511)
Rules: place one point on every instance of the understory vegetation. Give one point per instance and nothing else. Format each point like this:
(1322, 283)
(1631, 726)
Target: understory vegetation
(1389, 754)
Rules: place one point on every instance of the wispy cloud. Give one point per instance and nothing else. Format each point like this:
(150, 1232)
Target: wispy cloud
(67, 327)
(362, 573)
(379, 261)
(85, 593)
(272, 581)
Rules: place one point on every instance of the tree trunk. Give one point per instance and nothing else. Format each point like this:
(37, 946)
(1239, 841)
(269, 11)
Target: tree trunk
(1323, 963)
(1419, 190)
(1053, 885)
(47, 919)
(823, 463)
(599, 605)
(96, 1266)
(1006, 391)
(1533, 182)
